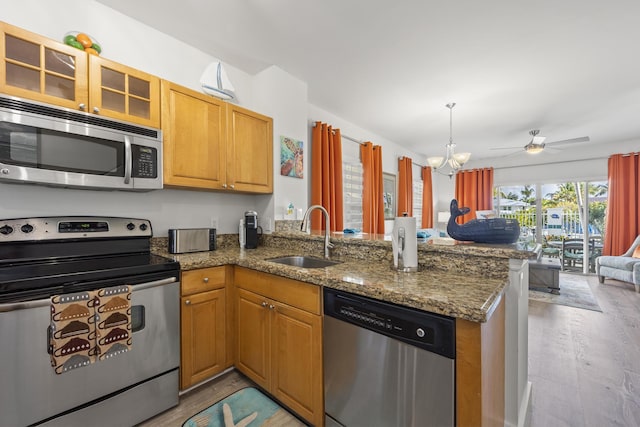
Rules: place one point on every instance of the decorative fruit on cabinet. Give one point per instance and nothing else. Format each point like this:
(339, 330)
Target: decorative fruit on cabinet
(82, 41)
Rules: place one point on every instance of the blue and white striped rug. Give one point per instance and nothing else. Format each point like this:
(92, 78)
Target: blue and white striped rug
(246, 407)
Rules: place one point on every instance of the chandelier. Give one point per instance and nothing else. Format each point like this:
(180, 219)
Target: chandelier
(453, 159)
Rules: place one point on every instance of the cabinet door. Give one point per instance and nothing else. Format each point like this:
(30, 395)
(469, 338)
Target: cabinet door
(194, 130)
(297, 361)
(203, 349)
(250, 156)
(123, 93)
(253, 337)
(34, 67)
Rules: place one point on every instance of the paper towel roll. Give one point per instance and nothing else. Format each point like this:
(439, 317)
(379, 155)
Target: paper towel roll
(406, 225)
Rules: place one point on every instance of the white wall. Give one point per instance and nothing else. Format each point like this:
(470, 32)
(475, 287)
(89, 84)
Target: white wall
(284, 97)
(165, 208)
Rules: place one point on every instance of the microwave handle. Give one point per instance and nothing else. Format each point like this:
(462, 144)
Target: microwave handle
(127, 159)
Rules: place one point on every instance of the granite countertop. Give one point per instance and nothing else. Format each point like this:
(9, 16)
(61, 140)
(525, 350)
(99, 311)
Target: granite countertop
(448, 292)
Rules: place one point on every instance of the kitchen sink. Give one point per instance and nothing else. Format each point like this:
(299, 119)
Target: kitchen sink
(304, 261)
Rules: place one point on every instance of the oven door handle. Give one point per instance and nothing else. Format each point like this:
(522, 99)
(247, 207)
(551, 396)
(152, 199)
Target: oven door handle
(24, 305)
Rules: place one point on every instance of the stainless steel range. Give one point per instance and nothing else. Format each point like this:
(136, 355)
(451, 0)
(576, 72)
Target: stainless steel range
(57, 256)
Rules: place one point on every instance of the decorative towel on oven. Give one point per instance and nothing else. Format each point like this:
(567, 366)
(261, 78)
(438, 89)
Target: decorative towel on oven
(89, 325)
(113, 320)
(73, 332)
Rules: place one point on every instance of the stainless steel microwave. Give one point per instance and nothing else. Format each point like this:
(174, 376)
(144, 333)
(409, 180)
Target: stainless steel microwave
(42, 144)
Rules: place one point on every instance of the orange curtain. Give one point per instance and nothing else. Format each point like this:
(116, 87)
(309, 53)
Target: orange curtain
(372, 203)
(326, 176)
(474, 190)
(427, 198)
(623, 207)
(405, 186)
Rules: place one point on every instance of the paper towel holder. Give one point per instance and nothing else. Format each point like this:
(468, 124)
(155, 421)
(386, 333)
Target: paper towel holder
(399, 246)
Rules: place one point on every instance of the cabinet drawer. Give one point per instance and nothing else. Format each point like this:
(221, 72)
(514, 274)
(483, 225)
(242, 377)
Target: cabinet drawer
(201, 280)
(302, 295)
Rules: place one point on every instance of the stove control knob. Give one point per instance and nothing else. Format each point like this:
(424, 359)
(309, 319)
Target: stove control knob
(6, 229)
(130, 226)
(27, 228)
(420, 332)
(143, 227)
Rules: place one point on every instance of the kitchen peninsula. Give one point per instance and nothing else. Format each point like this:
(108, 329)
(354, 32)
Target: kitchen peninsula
(481, 286)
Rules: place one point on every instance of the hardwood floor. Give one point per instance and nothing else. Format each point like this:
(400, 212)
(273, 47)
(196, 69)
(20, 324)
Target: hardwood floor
(584, 366)
(198, 399)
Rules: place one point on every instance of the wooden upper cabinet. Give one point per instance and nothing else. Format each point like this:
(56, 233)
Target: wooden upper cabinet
(123, 93)
(194, 132)
(250, 158)
(35, 67)
(212, 145)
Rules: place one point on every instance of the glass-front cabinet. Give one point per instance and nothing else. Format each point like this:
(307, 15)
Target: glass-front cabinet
(123, 92)
(41, 69)
(35, 67)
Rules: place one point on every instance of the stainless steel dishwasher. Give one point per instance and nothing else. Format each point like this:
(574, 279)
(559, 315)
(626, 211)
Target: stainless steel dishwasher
(386, 365)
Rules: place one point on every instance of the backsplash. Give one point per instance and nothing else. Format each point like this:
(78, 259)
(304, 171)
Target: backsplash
(287, 225)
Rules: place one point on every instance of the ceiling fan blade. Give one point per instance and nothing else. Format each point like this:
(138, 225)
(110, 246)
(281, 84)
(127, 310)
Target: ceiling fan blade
(569, 141)
(515, 153)
(505, 148)
(538, 139)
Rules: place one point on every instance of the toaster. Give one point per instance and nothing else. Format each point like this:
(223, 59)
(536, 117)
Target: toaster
(184, 240)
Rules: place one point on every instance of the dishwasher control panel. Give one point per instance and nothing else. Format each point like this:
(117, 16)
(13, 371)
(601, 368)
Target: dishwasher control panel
(382, 322)
(429, 331)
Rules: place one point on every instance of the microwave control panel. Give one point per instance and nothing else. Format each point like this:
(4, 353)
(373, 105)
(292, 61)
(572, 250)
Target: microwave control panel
(145, 162)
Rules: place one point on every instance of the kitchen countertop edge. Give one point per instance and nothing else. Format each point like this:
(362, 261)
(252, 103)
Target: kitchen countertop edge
(447, 293)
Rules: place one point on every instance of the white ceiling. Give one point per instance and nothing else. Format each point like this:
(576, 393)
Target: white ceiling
(569, 68)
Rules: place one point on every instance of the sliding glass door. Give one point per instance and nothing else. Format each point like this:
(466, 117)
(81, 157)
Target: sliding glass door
(566, 218)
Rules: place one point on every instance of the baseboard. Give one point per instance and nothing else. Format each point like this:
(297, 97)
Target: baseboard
(201, 383)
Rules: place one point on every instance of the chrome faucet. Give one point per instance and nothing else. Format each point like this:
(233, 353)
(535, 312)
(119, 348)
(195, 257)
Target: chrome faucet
(305, 227)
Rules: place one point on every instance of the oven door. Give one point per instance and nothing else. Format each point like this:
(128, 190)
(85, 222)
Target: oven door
(34, 393)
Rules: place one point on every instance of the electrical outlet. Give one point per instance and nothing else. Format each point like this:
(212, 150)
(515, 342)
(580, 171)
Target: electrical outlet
(214, 222)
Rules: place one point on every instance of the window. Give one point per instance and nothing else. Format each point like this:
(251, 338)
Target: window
(417, 201)
(352, 189)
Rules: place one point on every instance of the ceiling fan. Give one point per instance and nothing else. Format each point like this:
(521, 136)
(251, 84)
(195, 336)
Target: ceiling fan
(537, 144)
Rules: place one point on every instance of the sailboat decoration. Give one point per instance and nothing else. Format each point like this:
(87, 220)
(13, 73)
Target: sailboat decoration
(494, 230)
(214, 81)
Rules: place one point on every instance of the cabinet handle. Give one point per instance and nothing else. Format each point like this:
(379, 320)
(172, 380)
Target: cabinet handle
(187, 302)
(96, 110)
(82, 106)
(232, 186)
(224, 185)
(205, 280)
(264, 303)
(271, 306)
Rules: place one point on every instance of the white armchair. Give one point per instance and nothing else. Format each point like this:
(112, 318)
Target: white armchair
(623, 267)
